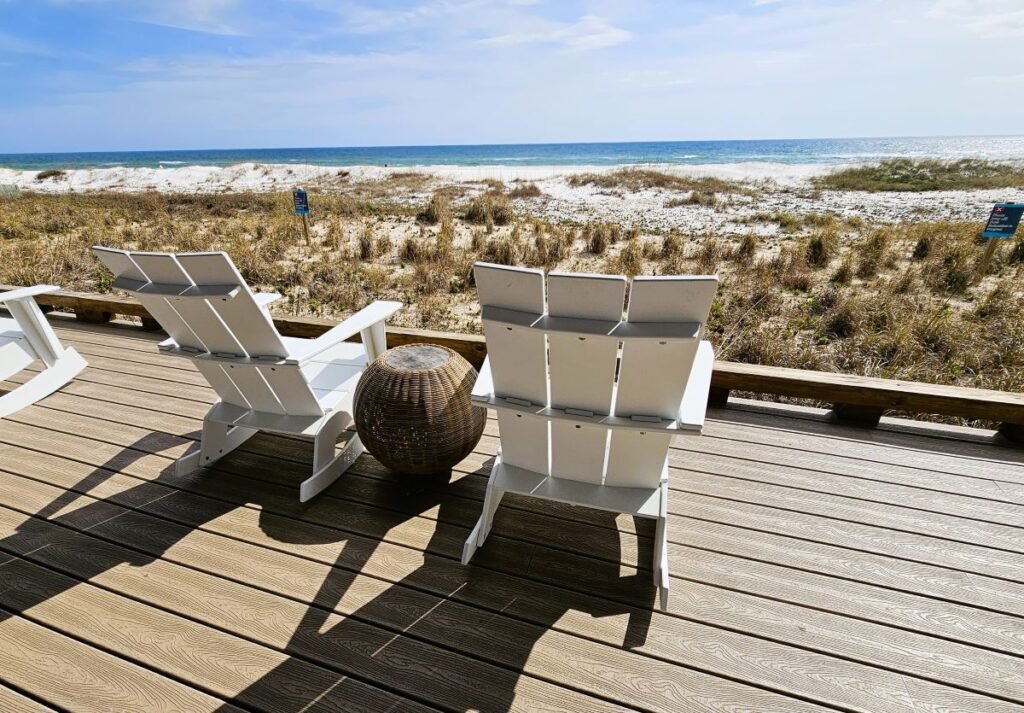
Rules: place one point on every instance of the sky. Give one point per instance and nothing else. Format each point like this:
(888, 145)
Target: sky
(95, 75)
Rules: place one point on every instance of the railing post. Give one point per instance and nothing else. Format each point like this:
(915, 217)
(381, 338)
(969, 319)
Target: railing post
(867, 416)
(1013, 432)
(718, 398)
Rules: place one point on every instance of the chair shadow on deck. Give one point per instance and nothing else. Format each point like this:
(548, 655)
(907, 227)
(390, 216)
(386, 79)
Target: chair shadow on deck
(435, 634)
(447, 635)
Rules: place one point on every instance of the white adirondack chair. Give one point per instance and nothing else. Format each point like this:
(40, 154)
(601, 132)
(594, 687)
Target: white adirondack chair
(26, 337)
(582, 421)
(265, 382)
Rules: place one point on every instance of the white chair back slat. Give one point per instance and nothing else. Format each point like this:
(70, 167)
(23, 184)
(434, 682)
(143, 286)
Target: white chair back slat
(249, 324)
(292, 390)
(222, 383)
(653, 375)
(582, 371)
(218, 325)
(121, 264)
(518, 359)
(254, 388)
(214, 336)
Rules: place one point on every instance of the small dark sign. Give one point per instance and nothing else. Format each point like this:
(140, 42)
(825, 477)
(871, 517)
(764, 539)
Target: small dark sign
(301, 201)
(1004, 220)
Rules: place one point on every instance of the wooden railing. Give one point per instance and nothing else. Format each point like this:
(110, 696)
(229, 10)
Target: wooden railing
(855, 399)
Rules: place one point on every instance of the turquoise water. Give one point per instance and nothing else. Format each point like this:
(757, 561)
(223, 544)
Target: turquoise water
(790, 151)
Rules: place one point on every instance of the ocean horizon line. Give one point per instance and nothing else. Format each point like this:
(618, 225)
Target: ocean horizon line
(693, 152)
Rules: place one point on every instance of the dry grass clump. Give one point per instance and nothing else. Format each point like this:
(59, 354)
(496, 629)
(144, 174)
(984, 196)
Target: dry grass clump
(672, 245)
(746, 250)
(492, 208)
(598, 236)
(551, 245)
(639, 179)
(709, 199)
(926, 175)
(629, 260)
(54, 173)
(873, 253)
(438, 208)
(821, 247)
(525, 190)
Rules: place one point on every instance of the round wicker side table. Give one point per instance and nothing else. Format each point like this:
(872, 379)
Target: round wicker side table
(413, 410)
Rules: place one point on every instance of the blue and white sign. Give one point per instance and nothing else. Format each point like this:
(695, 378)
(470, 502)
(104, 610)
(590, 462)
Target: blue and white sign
(301, 201)
(1004, 220)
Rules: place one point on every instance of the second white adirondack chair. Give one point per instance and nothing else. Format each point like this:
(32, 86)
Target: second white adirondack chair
(265, 382)
(26, 337)
(588, 402)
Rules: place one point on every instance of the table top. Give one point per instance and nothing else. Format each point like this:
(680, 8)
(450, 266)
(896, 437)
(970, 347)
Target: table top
(417, 357)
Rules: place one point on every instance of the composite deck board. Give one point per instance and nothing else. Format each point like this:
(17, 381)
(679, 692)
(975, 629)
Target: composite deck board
(945, 455)
(13, 702)
(805, 674)
(76, 676)
(835, 561)
(974, 586)
(733, 483)
(810, 522)
(650, 683)
(537, 525)
(873, 578)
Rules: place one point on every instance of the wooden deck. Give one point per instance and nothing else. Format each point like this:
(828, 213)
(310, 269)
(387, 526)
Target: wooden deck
(815, 567)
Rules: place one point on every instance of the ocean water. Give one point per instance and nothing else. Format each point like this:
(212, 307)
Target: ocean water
(789, 151)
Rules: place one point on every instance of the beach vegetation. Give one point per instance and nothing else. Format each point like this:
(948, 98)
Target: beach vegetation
(639, 179)
(924, 175)
(49, 173)
(438, 208)
(525, 190)
(885, 299)
(491, 208)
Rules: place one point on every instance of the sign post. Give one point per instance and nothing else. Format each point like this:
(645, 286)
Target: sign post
(301, 202)
(1002, 224)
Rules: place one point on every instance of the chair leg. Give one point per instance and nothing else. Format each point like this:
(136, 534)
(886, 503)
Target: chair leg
(492, 498)
(660, 565)
(326, 466)
(67, 366)
(218, 440)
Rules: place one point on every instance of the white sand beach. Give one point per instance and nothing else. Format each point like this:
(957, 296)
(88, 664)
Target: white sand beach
(770, 187)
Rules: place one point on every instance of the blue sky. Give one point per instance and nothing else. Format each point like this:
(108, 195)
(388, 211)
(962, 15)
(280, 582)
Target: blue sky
(80, 75)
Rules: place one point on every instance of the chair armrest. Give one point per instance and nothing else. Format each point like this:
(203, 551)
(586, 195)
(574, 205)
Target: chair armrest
(363, 319)
(27, 292)
(265, 299)
(694, 406)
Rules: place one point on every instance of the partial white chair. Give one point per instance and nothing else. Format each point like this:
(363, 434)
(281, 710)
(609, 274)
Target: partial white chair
(26, 337)
(265, 382)
(587, 401)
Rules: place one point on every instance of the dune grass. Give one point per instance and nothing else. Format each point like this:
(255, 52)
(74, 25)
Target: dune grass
(639, 179)
(926, 175)
(836, 295)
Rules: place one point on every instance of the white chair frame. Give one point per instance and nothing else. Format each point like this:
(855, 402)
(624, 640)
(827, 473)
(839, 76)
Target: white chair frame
(26, 337)
(300, 387)
(583, 381)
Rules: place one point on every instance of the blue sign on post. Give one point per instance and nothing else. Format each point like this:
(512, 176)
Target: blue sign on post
(1004, 220)
(301, 201)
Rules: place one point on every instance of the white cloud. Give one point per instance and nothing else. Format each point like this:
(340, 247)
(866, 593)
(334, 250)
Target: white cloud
(589, 33)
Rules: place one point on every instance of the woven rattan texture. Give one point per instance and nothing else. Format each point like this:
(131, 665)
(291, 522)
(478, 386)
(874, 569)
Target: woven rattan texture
(418, 420)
